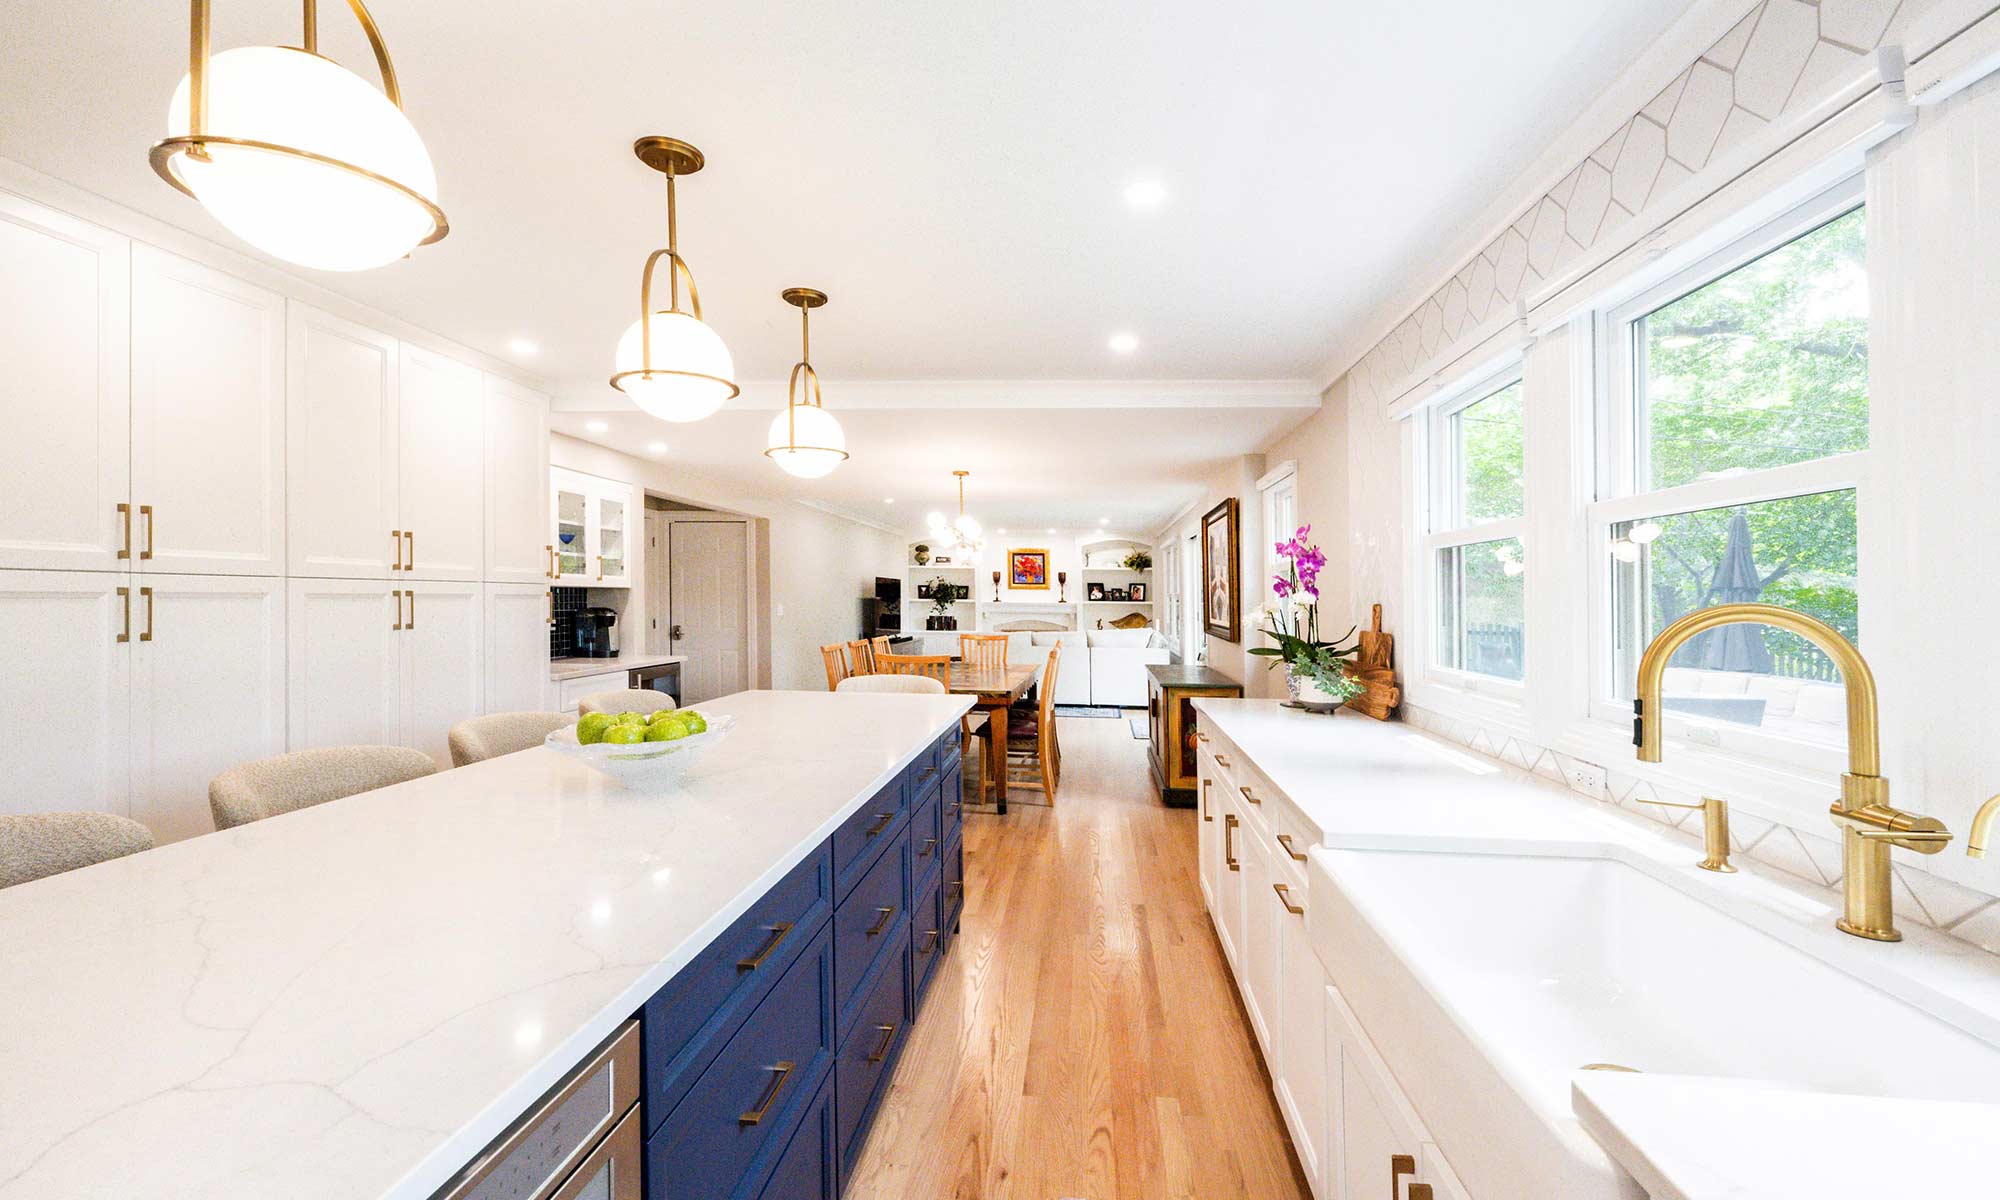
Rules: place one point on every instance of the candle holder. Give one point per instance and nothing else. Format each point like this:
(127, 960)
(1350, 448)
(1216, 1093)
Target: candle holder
(996, 587)
(1062, 582)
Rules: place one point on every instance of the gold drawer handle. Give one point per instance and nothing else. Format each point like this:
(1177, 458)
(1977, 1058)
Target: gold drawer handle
(1199, 736)
(779, 1074)
(147, 594)
(955, 888)
(125, 599)
(1222, 760)
(1205, 814)
(1229, 824)
(882, 922)
(1285, 840)
(396, 548)
(1399, 1166)
(778, 934)
(125, 511)
(1284, 891)
(1247, 796)
(930, 943)
(881, 824)
(955, 807)
(930, 847)
(888, 1039)
(410, 540)
(146, 511)
(1420, 1191)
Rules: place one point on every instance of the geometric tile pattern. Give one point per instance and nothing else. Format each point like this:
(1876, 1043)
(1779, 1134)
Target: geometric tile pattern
(1921, 898)
(1784, 55)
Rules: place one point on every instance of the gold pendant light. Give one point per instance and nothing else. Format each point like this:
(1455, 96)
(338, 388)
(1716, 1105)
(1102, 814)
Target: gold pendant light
(669, 362)
(805, 439)
(299, 156)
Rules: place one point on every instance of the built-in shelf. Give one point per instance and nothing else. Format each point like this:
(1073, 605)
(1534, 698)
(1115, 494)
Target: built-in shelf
(1120, 603)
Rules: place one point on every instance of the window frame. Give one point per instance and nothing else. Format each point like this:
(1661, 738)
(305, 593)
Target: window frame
(1620, 444)
(1279, 485)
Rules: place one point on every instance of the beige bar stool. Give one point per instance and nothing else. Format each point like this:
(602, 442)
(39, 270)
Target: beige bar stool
(289, 782)
(37, 845)
(495, 734)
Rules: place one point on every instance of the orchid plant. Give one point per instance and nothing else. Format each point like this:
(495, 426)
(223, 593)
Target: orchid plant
(1291, 619)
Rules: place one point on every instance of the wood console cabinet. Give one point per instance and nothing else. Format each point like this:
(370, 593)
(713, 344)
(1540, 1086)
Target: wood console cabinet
(1171, 689)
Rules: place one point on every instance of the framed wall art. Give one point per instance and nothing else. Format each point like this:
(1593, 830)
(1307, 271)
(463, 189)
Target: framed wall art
(1221, 604)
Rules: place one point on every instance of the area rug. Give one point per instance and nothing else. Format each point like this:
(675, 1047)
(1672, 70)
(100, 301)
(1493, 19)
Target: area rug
(1139, 729)
(1088, 710)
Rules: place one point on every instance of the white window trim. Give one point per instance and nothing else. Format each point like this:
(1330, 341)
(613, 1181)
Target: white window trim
(1280, 480)
(1617, 472)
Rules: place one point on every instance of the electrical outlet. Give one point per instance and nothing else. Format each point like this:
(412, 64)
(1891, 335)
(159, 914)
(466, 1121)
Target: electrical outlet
(1584, 777)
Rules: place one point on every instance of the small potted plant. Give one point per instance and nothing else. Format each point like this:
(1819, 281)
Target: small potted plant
(1139, 560)
(943, 593)
(1315, 672)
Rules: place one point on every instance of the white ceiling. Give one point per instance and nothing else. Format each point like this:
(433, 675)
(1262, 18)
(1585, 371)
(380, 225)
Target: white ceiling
(952, 174)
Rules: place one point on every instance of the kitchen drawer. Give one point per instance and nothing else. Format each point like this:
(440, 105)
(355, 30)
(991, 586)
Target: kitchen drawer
(866, 1056)
(531, 1159)
(570, 691)
(951, 813)
(871, 923)
(730, 1128)
(1291, 837)
(952, 885)
(862, 836)
(927, 935)
(806, 1169)
(944, 754)
(689, 1019)
(926, 836)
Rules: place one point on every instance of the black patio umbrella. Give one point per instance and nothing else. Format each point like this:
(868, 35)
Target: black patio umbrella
(1736, 581)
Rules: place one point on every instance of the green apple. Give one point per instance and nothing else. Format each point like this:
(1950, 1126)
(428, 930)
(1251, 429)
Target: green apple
(625, 734)
(695, 722)
(590, 729)
(665, 731)
(629, 718)
(665, 714)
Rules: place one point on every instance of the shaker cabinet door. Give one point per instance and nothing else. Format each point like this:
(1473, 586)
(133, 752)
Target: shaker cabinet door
(344, 683)
(519, 545)
(67, 710)
(342, 436)
(444, 672)
(517, 648)
(442, 461)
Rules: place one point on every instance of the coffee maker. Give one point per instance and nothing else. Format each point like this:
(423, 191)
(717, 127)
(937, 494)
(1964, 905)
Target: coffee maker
(597, 633)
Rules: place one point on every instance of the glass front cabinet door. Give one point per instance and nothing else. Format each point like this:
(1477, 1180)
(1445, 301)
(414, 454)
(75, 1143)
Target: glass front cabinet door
(590, 529)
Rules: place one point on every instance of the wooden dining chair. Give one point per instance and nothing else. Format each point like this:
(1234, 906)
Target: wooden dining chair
(834, 655)
(877, 647)
(1034, 760)
(937, 666)
(860, 658)
(986, 651)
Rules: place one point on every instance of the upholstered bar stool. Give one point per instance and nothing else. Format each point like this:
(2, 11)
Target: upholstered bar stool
(37, 845)
(495, 734)
(289, 782)
(639, 700)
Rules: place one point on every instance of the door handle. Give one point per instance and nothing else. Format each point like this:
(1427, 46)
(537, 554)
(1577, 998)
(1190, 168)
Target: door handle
(146, 511)
(1229, 823)
(888, 1040)
(674, 632)
(1205, 814)
(125, 512)
(779, 1074)
(549, 571)
(410, 540)
(146, 594)
(412, 622)
(125, 599)
(398, 598)
(552, 606)
(600, 566)
(396, 548)
(1399, 1166)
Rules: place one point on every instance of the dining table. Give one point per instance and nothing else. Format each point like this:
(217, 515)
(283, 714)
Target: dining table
(994, 689)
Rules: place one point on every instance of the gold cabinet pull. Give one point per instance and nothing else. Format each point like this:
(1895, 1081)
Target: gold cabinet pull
(1284, 891)
(410, 541)
(411, 623)
(600, 566)
(125, 599)
(779, 1074)
(1229, 824)
(552, 606)
(396, 548)
(146, 511)
(125, 512)
(398, 598)
(888, 914)
(1222, 760)
(1199, 736)
(1205, 814)
(550, 570)
(1285, 840)
(930, 942)
(1247, 796)
(881, 823)
(778, 934)
(955, 888)
(1399, 1166)
(888, 1040)
(930, 848)
(146, 594)
(1420, 1191)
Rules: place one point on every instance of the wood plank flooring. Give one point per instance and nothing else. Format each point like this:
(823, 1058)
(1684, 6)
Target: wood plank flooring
(1083, 1038)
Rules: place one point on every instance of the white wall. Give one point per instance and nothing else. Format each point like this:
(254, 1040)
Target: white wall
(1237, 477)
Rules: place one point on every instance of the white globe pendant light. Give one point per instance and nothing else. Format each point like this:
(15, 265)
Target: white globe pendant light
(804, 439)
(669, 362)
(299, 156)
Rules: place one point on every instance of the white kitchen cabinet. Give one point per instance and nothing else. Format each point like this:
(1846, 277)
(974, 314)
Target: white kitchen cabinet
(208, 420)
(1208, 834)
(444, 671)
(441, 456)
(571, 692)
(344, 683)
(1257, 951)
(65, 305)
(517, 647)
(67, 709)
(519, 544)
(208, 690)
(1298, 1058)
(343, 439)
(1379, 1145)
(1228, 908)
(592, 522)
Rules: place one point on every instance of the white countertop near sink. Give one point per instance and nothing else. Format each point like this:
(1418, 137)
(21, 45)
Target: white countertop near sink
(577, 668)
(352, 1000)
(1694, 1138)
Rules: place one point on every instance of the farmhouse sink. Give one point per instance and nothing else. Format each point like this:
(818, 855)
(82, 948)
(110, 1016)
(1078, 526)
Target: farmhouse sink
(1487, 980)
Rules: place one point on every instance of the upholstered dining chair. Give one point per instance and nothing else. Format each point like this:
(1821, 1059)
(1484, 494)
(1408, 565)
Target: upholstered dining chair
(834, 656)
(638, 700)
(303, 778)
(37, 845)
(861, 657)
(911, 684)
(987, 651)
(936, 666)
(1034, 759)
(480, 738)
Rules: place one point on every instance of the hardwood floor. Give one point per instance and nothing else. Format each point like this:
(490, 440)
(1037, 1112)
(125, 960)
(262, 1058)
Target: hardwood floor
(1083, 1038)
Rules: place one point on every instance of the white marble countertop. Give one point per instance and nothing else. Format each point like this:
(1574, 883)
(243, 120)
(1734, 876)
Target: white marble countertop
(352, 1000)
(1691, 1138)
(561, 669)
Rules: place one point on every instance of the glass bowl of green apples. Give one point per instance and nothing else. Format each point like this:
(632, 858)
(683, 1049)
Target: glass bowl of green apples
(635, 747)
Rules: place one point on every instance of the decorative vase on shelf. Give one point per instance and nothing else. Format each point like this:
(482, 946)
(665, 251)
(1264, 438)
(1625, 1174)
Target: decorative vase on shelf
(1062, 581)
(1307, 693)
(996, 587)
(923, 555)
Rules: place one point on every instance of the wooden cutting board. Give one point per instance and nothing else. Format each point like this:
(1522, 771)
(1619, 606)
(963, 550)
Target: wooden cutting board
(1374, 667)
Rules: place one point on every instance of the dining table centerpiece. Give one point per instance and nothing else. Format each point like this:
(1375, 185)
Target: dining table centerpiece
(1315, 669)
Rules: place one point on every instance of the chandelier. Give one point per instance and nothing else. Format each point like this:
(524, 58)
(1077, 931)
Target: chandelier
(299, 156)
(805, 439)
(669, 362)
(962, 535)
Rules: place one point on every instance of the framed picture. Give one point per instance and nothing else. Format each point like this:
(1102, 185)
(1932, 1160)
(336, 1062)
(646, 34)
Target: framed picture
(1221, 605)
(1028, 569)
(1116, 594)
(1138, 593)
(942, 560)
(923, 591)
(1095, 592)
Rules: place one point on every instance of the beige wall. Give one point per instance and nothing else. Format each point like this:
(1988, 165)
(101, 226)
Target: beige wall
(1237, 477)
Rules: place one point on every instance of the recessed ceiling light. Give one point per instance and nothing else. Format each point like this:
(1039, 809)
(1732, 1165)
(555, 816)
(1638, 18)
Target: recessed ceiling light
(1104, 520)
(999, 531)
(1051, 531)
(523, 347)
(656, 447)
(1123, 343)
(888, 499)
(1145, 193)
(597, 426)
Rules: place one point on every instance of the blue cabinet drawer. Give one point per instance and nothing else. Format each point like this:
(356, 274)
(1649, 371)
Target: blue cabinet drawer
(951, 813)
(952, 895)
(867, 926)
(862, 836)
(727, 1132)
(806, 1170)
(926, 836)
(927, 933)
(866, 1055)
(688, 1021)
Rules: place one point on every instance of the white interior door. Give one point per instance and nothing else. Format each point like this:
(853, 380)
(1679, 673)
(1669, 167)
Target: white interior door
(64, 390)
(705, 569)
(517, 480)
(517, 647)
(67, 708)
(659, 585)
(344, 655)
(342, 437)
(208, 419)
(442, 460)
(444, 669)
(208, 690)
